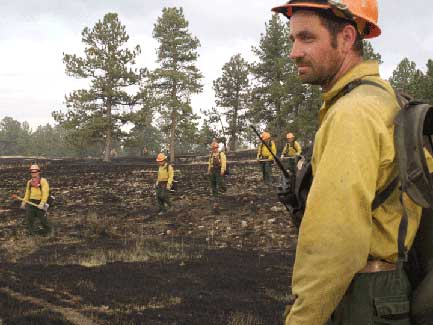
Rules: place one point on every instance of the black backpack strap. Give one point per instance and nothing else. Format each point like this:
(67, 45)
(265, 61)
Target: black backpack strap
(352, 85)
(381, 197)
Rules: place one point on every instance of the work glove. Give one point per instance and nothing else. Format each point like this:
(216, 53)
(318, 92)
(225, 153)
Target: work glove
(169, 187)
(23, 205)
(41, 205)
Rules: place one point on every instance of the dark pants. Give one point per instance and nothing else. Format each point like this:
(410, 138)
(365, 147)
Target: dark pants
(374, 299)
(217, 182)
(32, 214)
(162, 197)
(267, 171)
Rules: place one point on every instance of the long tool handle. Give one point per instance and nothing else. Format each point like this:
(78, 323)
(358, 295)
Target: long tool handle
(28, 202)
(280, 165)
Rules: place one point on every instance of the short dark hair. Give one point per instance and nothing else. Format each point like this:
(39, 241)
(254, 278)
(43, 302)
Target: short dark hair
(335, 25)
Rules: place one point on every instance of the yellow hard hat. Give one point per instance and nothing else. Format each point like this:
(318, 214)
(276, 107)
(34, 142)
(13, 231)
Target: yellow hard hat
(265, 135)
(34, 167)
(364, 13)
(161, 157)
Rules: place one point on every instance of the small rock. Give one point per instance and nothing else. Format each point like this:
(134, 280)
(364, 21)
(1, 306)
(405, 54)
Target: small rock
(244, 224)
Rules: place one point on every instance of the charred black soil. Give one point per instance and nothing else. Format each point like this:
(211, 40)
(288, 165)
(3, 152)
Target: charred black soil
(111, 259)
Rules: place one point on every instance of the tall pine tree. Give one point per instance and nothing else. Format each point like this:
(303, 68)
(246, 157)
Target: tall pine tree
(232, 95)
(97, 113)
(177, 76)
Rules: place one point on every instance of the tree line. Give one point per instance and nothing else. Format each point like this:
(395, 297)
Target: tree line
(128, 108)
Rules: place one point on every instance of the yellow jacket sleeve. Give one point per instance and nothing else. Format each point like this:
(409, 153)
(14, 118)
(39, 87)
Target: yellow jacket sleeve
(298, 148)
(170, 176)
(27, 195)
(223, 161)
(334, 237)
(259, 151)
(45, 190)
(273, 149)
(209, 164)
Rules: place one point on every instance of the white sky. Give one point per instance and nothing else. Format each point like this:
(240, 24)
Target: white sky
(34, 34)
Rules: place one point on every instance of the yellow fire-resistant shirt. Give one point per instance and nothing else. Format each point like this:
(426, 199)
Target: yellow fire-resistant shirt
(220, 156)
(165, 174)
(353, 158)
(264, 153)
(292, 149)
(37, 193)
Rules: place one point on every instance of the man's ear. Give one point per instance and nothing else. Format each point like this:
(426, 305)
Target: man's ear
(348, 38)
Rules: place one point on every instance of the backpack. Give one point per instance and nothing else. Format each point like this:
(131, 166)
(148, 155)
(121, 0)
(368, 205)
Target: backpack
(412, 135)
(174, 186)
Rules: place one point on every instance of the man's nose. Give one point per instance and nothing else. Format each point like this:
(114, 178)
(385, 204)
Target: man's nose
(296, 51)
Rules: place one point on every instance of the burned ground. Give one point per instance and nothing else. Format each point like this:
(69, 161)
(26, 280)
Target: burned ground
(112, 260)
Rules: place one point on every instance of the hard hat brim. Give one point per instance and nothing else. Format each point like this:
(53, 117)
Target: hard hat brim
(287, 10)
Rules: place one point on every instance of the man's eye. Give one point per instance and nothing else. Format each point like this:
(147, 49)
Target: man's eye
(308, 38)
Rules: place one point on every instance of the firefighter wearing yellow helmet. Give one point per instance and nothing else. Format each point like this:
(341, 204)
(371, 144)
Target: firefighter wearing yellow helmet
(265, 157)
(37, 193)
(163, 183)
(346, 267)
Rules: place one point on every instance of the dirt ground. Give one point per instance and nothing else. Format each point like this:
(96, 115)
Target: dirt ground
(111, 259)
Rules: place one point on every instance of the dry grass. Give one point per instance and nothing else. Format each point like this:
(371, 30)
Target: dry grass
(239, 318)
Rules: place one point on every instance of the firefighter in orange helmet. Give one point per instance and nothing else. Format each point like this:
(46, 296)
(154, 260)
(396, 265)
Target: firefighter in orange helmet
(37, 192)
(163, 183)
(265, 157)
(216, 169)
(348, 267)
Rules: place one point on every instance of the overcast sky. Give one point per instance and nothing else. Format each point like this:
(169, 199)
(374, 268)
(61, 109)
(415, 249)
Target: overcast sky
(34, 34)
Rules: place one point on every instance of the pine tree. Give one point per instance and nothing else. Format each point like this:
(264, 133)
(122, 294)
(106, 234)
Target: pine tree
(407, 78)
(278, 97)
(232, 94)
(370, 54)
(95, 115)
(177, 77)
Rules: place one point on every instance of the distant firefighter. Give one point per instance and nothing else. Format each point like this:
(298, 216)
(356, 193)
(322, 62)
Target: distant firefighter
(163, 183)
(265, 158)
(291, 152)
(37, 192)
(292, 148)
(216, 169)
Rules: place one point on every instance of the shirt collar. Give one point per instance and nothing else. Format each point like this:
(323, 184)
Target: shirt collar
(361, 70)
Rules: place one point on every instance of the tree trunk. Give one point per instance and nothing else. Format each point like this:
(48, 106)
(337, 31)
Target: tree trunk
(108, 140)
(173, 122)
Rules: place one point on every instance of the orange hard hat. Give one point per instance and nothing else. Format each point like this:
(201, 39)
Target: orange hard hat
(161, 157)
(265, 135)
(214, 145)
(35, 167)
(363, 12)
(290, 135)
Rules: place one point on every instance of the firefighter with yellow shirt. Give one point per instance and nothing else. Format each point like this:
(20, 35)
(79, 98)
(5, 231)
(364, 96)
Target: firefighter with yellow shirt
(37, 192)
(265, 158)
(291, 152)
(163, 183)
(347, 268)
(216, 169)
